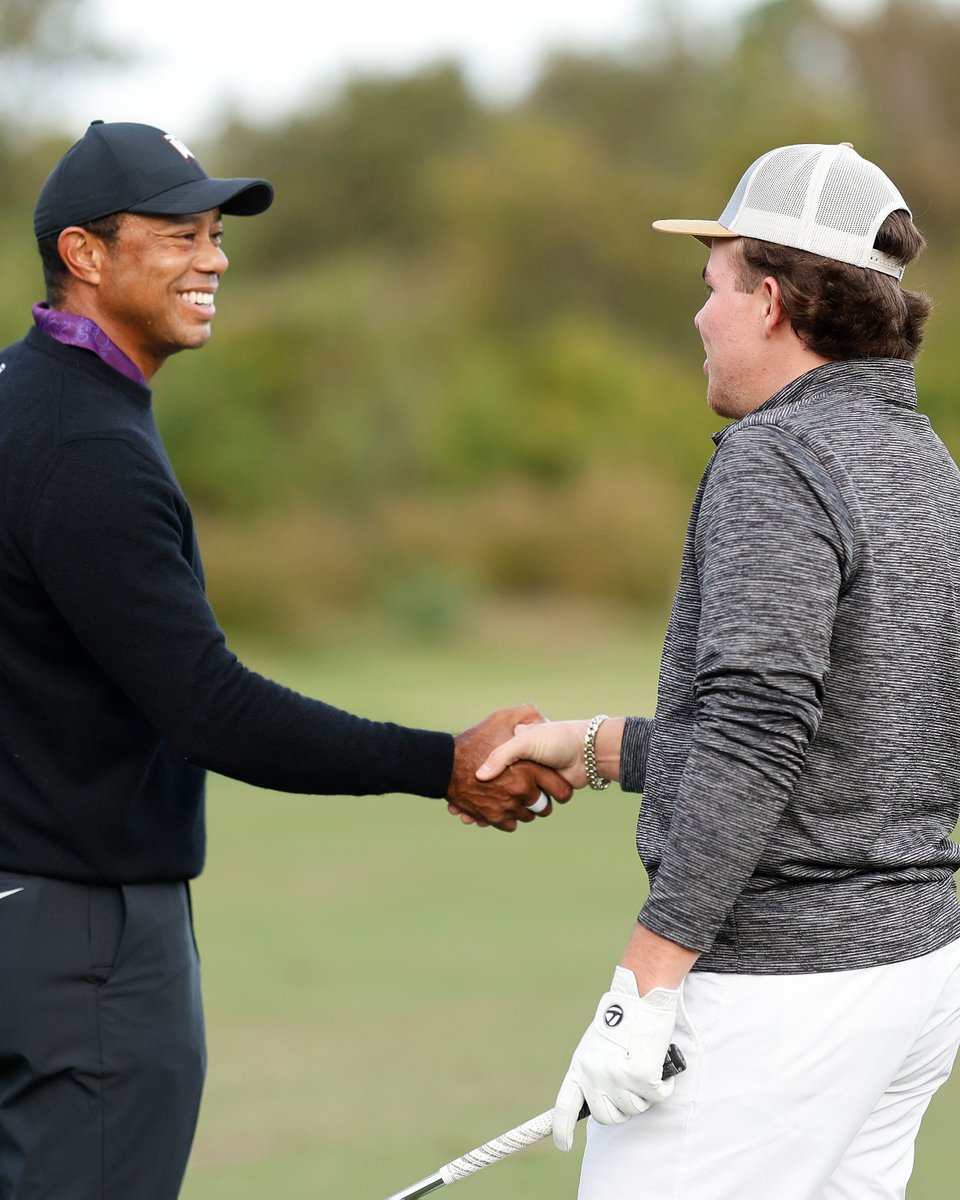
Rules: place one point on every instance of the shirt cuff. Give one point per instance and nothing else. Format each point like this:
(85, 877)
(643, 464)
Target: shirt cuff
(637, 732)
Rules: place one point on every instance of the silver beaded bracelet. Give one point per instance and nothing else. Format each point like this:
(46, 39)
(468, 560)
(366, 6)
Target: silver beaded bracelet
(596, 781)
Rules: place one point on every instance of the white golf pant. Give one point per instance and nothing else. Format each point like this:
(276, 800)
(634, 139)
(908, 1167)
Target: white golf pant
(798, 1087)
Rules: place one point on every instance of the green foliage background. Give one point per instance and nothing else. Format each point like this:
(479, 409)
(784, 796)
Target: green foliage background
(454, 360)
(454, 368)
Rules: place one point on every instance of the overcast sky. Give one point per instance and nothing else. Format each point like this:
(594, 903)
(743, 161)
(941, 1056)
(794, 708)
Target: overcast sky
(266, 56)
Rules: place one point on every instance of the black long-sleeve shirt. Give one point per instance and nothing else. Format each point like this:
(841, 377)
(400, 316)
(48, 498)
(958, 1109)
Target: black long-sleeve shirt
(801, 776)
(117, 689)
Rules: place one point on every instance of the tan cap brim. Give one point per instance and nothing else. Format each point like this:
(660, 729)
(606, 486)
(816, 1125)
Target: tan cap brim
(703, 231)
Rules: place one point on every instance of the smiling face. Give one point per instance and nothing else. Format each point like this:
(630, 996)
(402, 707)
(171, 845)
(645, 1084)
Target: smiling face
(156, 285)
(730, 325)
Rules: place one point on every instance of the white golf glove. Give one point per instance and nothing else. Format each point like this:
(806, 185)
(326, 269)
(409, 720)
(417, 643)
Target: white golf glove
(618, 1066)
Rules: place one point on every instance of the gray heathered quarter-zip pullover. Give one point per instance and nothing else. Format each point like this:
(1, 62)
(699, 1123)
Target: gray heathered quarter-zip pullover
(801, 775)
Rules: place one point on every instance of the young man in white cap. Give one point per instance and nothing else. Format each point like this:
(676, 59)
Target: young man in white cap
(117, 689)
(800, 776)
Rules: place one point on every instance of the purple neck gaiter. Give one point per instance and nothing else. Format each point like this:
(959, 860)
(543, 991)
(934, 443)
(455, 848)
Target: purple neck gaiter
(73, 330)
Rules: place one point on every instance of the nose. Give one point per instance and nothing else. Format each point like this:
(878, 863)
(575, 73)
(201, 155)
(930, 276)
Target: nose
(210, 259)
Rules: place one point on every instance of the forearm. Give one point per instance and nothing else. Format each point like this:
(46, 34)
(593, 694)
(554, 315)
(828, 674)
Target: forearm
(733, 791)
(265, 734)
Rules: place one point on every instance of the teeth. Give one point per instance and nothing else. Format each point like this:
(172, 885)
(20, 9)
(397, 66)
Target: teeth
(205, 299)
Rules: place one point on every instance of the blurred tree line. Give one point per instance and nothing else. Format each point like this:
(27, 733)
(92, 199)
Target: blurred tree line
(454, 359)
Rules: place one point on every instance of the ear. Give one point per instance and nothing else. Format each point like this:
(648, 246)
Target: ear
(771, 306)
(83, 254)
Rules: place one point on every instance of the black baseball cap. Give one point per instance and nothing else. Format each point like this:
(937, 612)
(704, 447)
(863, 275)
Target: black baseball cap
(119, 166)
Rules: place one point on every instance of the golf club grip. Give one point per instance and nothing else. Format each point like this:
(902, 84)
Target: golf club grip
(529, 1132)
(503, 1146)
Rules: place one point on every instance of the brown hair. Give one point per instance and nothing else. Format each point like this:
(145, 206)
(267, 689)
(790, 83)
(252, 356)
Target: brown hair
(838, 310)
(55, 273)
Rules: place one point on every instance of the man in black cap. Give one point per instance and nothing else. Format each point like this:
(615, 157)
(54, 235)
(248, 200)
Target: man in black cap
(117, 689)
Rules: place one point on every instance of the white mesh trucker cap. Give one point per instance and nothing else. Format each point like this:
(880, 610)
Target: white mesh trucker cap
(825, 199)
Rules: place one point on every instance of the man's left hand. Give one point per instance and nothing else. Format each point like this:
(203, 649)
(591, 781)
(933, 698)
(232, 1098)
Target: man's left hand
(618, 1066)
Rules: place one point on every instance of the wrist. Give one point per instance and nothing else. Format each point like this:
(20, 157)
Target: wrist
(656, 962)
(607, 745)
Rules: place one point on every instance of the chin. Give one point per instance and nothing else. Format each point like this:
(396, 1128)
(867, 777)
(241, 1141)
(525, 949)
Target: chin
(195, 339)
(725, 405)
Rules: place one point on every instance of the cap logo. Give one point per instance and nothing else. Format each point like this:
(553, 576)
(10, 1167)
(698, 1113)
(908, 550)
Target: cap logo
(178, 145)
(613, 1016)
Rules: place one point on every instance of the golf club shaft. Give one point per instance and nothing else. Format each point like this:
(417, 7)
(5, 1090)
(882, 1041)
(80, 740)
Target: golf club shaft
(423, 1188)
(509, 1143)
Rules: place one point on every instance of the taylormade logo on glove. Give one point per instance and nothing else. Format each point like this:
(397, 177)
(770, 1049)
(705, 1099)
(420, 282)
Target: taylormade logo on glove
(618, 1066)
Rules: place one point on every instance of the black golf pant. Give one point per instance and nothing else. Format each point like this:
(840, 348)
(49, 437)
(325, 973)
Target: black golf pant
(101, 1039)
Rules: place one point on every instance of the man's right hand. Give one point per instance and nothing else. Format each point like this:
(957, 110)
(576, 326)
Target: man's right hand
(504, 801)
(556, 744)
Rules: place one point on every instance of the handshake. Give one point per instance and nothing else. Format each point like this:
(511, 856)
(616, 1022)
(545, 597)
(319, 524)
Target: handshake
(512, 766)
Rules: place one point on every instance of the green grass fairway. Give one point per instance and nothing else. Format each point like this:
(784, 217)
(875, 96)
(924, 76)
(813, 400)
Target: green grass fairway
(385, 988)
